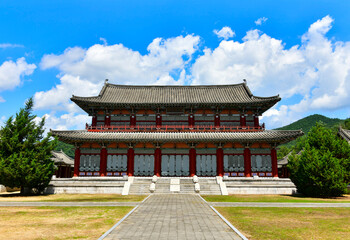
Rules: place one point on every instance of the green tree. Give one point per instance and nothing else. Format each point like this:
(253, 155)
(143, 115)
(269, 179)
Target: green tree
(25, 153)
(346, 124)
(322, 169)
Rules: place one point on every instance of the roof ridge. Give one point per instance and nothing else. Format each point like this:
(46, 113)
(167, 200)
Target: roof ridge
(176, 86)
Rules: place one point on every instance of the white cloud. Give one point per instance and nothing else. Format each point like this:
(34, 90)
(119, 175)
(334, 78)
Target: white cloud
(310, 77)
(11, 73)
(316, 71)
(260, 21)
(83, 70)
(65, 121)
(225, 33)
(10, 45)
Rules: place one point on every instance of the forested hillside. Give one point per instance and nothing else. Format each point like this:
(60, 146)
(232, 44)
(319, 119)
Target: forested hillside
(308, 122)
(66, 148)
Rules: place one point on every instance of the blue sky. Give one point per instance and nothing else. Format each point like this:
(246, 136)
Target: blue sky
(53, 49)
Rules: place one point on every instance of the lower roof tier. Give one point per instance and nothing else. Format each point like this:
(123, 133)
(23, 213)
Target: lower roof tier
(272, 136)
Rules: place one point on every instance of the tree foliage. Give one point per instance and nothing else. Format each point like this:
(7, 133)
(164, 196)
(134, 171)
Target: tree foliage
(25, 153)
(68, 149)
(323, 167)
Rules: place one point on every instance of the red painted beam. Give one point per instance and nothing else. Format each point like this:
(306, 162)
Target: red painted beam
(76, 162)
(243, 121)
(191, 120)
(217, 121)
(220, 161)
(247, 163)
(130, 156)
(157, 161)
(256, 121)
(133, 120)
(192, 162)
(158, 120)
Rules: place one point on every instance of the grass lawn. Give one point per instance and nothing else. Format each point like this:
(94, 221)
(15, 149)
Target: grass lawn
(58, 222)
(274, 198)
(289, 223)
(72, 198)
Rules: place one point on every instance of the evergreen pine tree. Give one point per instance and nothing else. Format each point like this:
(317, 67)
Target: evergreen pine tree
(322, 169)
(25, 153)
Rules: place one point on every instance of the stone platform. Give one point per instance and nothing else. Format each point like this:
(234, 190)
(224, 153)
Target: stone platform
(166, 185)
(244, 185)
(90, 185)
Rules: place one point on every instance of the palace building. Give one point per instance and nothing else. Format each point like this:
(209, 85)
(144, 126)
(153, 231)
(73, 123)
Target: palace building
(176, 131)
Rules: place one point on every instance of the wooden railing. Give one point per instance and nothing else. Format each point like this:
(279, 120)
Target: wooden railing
(173, 128)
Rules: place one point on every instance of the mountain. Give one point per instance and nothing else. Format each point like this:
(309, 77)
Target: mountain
(308, 122)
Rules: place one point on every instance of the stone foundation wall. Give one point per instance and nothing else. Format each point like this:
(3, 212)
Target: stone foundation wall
(260, 186)
(87, 185)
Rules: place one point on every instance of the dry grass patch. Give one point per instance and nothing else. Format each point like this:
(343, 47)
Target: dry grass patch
(72, 198)
(275, 198)
(289, 223)
(58, 222)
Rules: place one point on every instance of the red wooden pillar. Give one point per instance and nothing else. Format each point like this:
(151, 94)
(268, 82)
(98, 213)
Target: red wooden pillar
(256, 121)
(133, 120)
(107, 120)
(274, 162)
(247, 163)
(158, 120)
(192, 161)
(76, 162)
(130, 156)
(220, 161)
(191, 120)
(157, 161)
(94, 121)
(103, 161)
(217, 121)
(243, 121)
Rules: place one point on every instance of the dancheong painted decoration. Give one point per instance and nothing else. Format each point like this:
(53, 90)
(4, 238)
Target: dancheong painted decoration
(176, 131)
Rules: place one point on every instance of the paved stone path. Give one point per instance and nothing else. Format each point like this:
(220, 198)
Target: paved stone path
(173, 216)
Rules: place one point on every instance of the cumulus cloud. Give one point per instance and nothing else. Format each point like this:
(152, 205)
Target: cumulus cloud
(260, 21)
(65, 121)
(225, 33)
(316, 71)
(83, 70)
(12, 73)
(310, 77)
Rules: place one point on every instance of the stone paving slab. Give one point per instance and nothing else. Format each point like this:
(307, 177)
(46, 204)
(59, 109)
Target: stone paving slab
(275, 204)
(68, 204)
(173, 216)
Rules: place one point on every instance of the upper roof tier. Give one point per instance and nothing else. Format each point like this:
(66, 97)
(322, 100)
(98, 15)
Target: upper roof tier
(132, 96)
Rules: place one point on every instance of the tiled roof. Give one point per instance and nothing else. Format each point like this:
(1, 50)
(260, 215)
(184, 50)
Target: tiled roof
(344, 133)
(277, 136)
(136, 96)
(61, 157)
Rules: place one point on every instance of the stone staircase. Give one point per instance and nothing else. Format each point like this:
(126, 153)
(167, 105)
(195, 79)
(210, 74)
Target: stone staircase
(167, 185)
(209, 186)
(140, 186)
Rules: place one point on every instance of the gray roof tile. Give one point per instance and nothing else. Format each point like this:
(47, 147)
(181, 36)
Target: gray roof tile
(134, 96)
(345, 134)
(277, 136)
